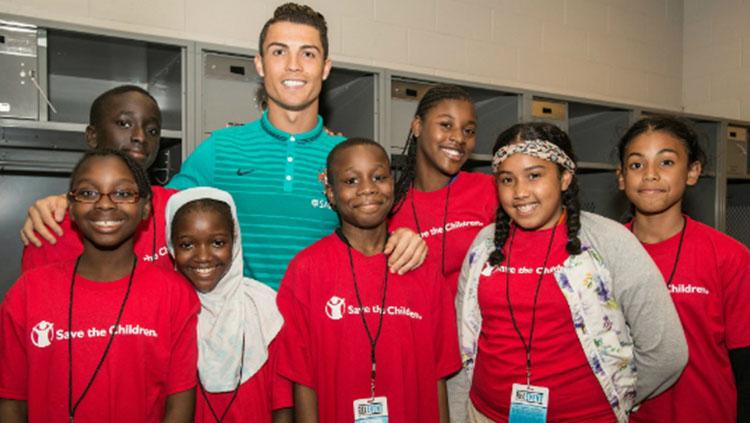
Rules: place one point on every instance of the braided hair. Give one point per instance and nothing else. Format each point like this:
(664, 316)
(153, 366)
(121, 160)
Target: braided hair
(547, 132)
(407, 172)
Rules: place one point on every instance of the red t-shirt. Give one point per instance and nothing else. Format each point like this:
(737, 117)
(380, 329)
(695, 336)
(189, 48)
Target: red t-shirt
(472, 205)
(257, 398)
(154, 354)
(70, 245)
(325, 346)
(711, 292)
(557, 358)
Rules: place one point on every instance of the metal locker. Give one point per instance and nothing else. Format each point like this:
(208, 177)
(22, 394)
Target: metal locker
(19, 68)
(231, 91)
(405, 96)
(736, 150)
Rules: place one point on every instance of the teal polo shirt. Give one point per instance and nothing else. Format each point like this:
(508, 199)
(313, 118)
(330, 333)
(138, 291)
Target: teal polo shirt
(275, 180)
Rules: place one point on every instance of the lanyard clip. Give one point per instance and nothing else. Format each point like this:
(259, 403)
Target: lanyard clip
(372, 383)
(528, 376)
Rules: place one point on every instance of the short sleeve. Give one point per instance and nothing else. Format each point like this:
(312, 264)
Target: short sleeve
(735, 270)
(184, 349)
(295, 361)
(197, 170)
(13, 359)
(447, 357)
(281, 387)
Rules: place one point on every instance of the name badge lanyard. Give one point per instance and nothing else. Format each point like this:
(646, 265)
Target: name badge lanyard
(445, 222)
(526, 346)
(679, 249)
(373, 340)
(73, 406)
(234, 393)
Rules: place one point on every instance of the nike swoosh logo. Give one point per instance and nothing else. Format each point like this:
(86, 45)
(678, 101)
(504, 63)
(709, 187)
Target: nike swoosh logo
(243, 172)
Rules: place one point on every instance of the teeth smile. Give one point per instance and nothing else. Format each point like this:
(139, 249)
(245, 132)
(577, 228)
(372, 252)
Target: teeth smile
(293, 83)
(203, 271)
(452, 153)
(107, 223)
(526, 208)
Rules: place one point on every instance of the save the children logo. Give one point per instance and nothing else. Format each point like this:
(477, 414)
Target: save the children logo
(41, 334)
(335, 308)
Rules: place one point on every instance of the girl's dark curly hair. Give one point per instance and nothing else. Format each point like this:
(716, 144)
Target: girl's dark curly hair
(546, 132)
(431, 98)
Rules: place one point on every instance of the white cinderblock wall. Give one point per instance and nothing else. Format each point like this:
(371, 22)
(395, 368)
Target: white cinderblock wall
(717, 58)
(619, 50)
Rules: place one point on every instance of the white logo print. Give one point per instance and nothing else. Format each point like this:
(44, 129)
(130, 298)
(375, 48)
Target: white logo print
(335, 308)
(41, 334)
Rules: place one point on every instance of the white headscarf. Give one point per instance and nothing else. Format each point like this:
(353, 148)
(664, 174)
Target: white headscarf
(237, 306)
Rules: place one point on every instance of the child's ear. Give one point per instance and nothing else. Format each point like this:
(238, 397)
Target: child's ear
(565, 180)
(146, 211)
(694, 172)
(91, 137)
(620, 178)
(416, 127)
(329, 195)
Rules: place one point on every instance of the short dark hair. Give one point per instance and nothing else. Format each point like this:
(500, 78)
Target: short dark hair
(299, 14)
(344, 145)
(96, 112)
(139, 174)
(678, 127)
(551, 133)
(210, 205)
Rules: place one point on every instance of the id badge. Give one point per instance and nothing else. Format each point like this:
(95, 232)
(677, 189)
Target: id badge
(371, 410)
(528, 404)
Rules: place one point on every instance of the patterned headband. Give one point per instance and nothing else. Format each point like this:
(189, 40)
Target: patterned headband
(540, 149)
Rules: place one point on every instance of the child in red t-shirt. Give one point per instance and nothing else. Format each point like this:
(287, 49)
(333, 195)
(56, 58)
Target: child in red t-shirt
(104, 337)
(445, 205)
(125, 118)
(239, 320)
(707, 274)
(359, 342)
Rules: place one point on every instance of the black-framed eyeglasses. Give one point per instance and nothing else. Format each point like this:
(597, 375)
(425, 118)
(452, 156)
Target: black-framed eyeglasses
(92, 196)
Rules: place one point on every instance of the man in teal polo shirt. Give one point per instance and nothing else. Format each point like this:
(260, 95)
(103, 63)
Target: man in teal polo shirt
(273, 166)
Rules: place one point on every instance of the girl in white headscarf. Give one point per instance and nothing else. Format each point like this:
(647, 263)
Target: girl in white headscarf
(238, 319)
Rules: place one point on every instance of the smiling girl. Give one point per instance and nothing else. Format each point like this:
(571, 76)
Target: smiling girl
(238, 321)
(562, 314)
(103, 337)
(707, 274)
(445, 205)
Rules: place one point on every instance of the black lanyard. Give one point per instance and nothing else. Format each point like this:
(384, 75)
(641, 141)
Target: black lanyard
(72, 407)
(373, 340)
(679, 249)
(526, 347)
(445, 222)
(234, 393)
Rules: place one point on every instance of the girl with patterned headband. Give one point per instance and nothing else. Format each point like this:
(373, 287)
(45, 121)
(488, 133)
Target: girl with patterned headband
(562, 314)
